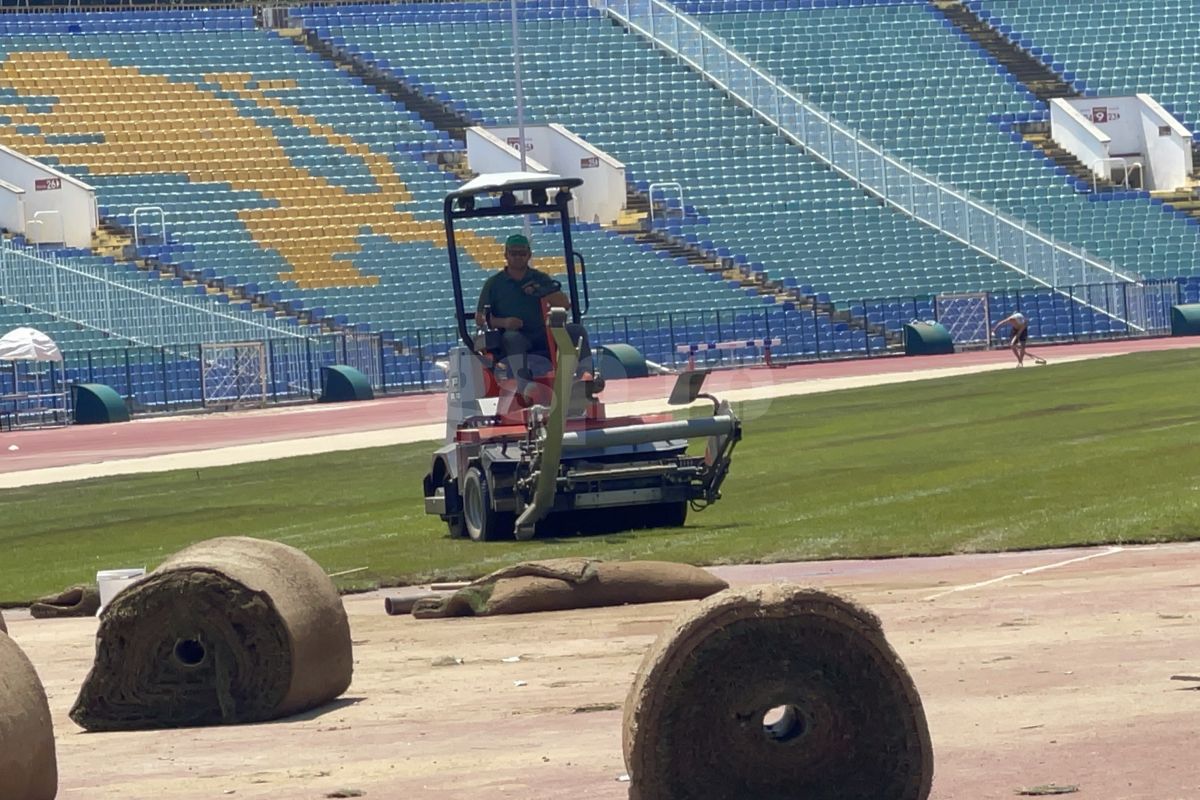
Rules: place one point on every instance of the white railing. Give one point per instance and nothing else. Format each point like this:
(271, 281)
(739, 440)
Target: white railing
(129, 307)
(1011, 242)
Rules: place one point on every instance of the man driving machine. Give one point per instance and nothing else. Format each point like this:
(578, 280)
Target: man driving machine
(510, 301)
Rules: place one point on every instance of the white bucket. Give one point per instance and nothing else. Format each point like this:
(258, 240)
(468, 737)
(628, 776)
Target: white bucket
(112, 581)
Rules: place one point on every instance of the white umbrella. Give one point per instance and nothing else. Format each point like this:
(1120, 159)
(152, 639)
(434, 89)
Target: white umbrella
(28, 344)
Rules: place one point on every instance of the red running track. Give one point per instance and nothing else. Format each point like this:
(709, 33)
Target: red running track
(83, 444)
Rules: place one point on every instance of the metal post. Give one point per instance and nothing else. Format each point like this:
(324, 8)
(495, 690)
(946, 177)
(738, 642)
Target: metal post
(1125, 306)
(162, 368)
(271, 370)
(309, 366)
(1074, 329)
(816, 332)
(520, 92)
(200, 359)
(383, 384)
(420, 361)
(128, 374)
(671, 327)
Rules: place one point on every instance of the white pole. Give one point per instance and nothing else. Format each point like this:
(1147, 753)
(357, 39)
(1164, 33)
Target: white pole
(520, 95)
(520, 92)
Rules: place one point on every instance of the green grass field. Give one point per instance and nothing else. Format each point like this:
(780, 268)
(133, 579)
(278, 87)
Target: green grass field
(1083, 453)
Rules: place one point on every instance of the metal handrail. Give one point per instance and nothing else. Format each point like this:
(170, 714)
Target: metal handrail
(64, 289)
(39, 217)
(676, 185)
(162, 223)
(953, 213)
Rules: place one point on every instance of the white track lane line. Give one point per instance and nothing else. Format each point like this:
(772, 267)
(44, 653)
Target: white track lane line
(1032, 570)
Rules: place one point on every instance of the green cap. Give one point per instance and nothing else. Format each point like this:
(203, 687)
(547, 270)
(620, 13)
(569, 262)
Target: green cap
(517, 240)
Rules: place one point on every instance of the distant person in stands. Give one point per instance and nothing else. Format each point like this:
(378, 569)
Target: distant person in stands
(1020, 334)
(511, 302)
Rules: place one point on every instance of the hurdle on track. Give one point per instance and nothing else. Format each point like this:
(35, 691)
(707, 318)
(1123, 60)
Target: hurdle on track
(735, 344)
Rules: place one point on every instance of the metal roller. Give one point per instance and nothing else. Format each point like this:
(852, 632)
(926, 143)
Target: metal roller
(654, 432)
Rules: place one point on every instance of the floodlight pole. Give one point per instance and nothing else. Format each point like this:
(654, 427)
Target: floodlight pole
(520, 93)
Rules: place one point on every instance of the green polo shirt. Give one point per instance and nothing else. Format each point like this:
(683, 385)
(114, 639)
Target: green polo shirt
(508, 299)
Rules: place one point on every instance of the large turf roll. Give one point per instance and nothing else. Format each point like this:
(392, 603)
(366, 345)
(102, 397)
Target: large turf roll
(28, 768)
(229, 630)
(775, 692)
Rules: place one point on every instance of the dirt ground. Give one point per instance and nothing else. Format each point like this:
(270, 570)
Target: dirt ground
(1035, 668)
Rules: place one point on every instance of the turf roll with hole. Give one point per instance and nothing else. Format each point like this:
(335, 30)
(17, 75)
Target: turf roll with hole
(775, 692)
(230, 630)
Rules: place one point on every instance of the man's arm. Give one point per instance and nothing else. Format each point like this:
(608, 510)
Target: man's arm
(558, 300)
(1001, 323)
(555, 297)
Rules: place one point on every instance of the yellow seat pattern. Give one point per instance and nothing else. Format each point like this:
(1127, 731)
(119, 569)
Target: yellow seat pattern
(160, 126)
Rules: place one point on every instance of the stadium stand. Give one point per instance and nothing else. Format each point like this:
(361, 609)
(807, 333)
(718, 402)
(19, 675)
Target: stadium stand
(763, 198)
(300, 182)
(1111, 47)
(883, 70)
(288, 177)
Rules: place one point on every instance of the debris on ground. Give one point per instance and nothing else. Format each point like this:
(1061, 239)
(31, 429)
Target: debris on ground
(1049, 788)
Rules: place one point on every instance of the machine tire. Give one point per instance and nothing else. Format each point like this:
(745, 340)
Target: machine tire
(482, 523)
(671, 515)
(457, 527)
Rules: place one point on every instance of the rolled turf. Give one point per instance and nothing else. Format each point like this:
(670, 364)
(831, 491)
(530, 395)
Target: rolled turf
(230, 630)
(775, 692)
(28, 766)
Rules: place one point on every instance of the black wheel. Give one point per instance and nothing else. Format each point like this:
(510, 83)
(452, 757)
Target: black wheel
(457, 527)
(670, 515)
(482, 523)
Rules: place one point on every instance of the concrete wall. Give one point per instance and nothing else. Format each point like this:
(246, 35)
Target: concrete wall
(1139, 130)
(61, 208)
(554, 149)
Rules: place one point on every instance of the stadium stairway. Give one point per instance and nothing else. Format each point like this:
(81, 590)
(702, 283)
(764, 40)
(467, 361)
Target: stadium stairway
(115, 241)
(1035, 76)
(635, 224)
